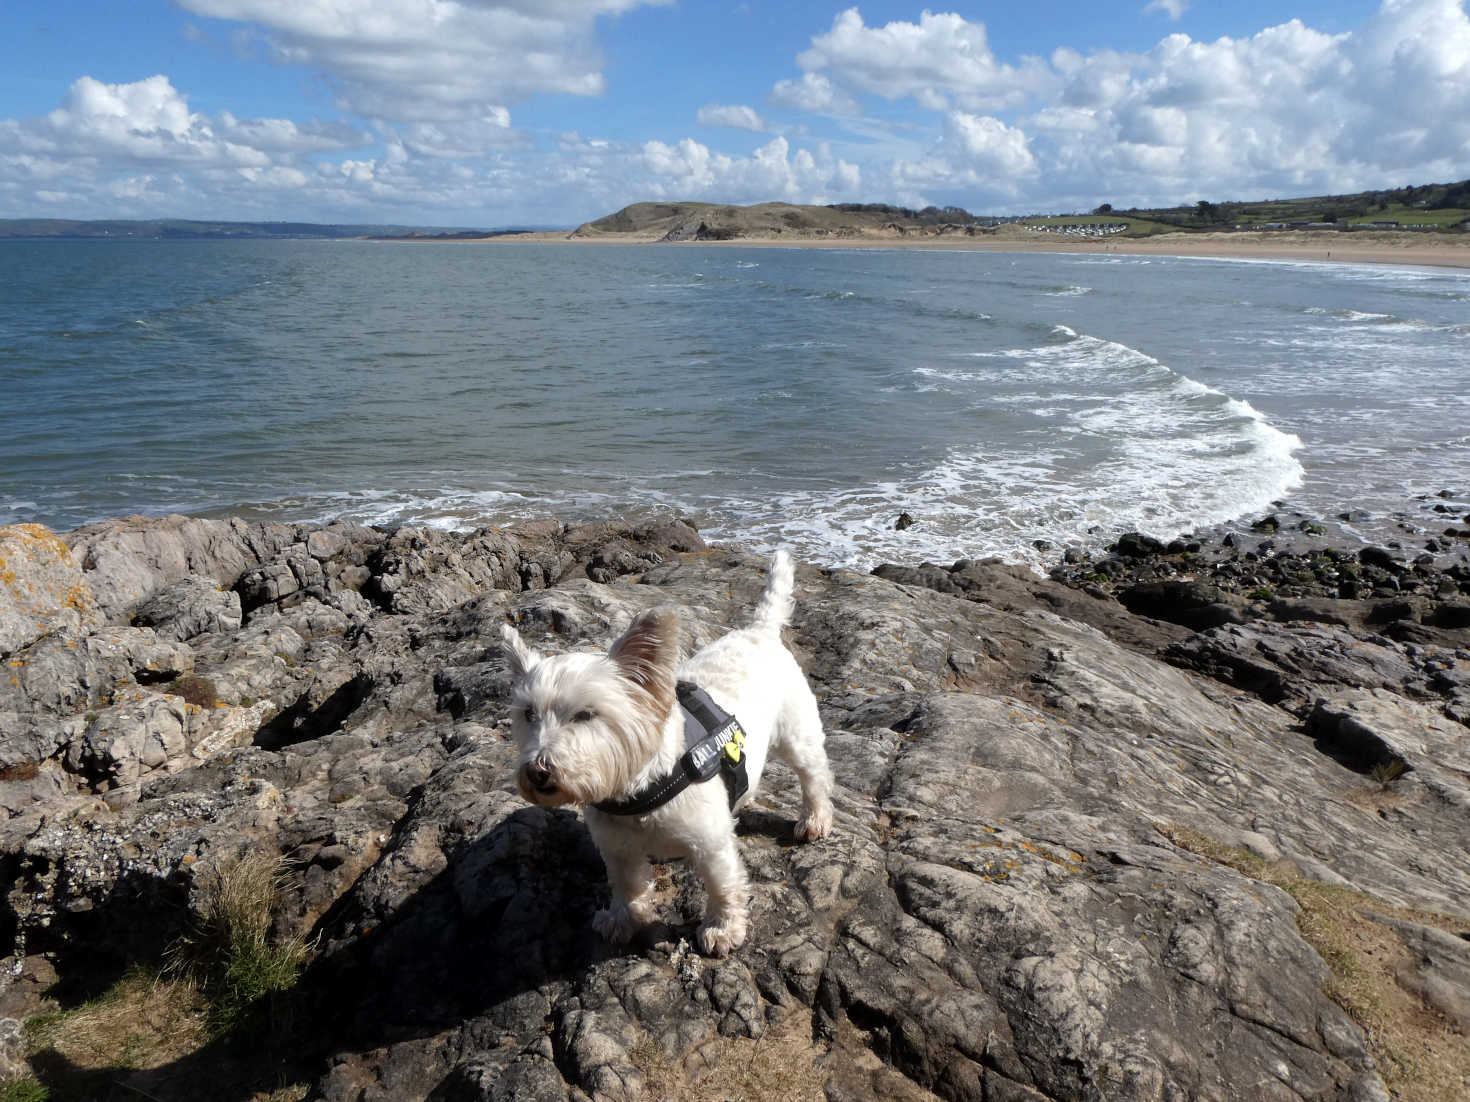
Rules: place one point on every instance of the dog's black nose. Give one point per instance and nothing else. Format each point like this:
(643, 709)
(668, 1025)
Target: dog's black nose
(539, 776)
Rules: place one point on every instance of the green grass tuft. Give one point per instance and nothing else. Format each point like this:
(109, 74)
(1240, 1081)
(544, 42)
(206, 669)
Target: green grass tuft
(1386, 772)
(23, 1090)
(231, 953)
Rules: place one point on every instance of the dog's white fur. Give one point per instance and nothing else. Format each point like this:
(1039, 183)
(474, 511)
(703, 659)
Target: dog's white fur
(593, 728)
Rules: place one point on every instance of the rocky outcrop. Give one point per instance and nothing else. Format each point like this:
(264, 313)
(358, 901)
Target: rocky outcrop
(41, 588)
(1005, 909)
(129, 558)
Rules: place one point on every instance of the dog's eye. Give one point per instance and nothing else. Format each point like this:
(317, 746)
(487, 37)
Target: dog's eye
(530, 713)
(583, 716)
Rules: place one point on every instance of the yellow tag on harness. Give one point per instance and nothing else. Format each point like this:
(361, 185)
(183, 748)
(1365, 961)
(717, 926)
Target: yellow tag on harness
(736, 744)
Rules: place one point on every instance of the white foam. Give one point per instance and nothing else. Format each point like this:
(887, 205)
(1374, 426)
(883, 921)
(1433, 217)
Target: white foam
(950, 376)
(1180, 454)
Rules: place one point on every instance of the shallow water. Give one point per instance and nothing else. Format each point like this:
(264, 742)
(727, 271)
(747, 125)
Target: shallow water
(804, 397)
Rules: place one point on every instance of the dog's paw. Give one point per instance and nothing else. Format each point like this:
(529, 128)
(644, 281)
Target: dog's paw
(815, 826)
(719, 939)
(617, 923)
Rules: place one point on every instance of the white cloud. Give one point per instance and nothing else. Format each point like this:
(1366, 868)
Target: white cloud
(432, 60)
(1289, 109)
(139, 150)
(980, 154)
(986, 147)
(690, 170)
(735, 117)
(285, 136)
(815, 93)
(1174, 9)
(149, 121)
(465, 137)
(943, 59)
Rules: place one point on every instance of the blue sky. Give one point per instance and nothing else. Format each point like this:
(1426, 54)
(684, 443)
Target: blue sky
(551, 112)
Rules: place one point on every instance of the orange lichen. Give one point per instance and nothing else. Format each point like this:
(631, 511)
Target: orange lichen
(36, 544)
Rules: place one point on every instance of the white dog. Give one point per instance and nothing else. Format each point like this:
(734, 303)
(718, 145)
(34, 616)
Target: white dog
(610, 731)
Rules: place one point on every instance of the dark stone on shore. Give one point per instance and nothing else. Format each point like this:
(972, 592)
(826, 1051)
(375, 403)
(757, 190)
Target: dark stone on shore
(1135, 545)
(1380, 557)
(1195, 605)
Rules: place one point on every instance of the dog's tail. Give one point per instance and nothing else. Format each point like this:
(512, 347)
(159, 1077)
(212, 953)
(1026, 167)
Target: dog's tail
(773, 612)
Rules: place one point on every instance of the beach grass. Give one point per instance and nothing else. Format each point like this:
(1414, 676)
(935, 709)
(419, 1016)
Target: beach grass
(144, 1036)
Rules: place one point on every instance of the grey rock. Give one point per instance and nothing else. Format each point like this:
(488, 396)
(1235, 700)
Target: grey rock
(1013, 588)
(13, 1063)
(1283, 663)
(188, 607)
(424, 570)
(124, 740)
(64, 676)
(1438, 970)
(42, 589)
(293, 572)
(1369, 728)
(128, 558)
(325, 544)
(1321, 610)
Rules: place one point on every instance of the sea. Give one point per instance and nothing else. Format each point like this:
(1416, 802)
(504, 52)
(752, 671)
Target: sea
(1012, 404)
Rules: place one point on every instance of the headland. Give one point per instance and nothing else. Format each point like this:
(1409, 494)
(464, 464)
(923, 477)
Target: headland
(782, 225)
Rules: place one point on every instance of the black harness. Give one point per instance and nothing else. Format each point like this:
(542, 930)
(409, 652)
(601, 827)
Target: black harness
(716, 743)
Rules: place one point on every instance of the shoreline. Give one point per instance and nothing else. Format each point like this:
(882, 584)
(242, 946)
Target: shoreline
(1430, 531)
(1289, 246)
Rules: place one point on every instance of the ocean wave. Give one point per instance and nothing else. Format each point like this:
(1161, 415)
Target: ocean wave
(1122, 442)
(1147, 449)
(948, 376)
(1366, 321)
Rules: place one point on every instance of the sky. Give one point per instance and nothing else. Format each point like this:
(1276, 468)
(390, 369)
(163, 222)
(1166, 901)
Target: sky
(478, 113)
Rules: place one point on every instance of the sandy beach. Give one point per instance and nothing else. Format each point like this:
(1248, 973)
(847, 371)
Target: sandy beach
(1361, 247)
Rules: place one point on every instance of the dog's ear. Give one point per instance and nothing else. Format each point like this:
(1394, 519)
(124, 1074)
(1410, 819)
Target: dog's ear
(519, 658)
(648, 651)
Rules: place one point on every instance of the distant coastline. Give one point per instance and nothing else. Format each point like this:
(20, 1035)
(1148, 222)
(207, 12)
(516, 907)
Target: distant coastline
(1359, 247)
(784, 225)
(180, 229)
(787, 225)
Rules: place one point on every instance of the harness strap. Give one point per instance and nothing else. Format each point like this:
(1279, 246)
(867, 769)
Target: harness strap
(716, 743)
